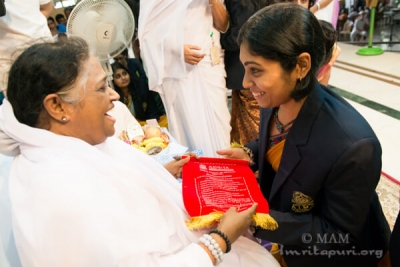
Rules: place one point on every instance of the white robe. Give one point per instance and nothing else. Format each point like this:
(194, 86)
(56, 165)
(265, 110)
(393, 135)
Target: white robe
(194, 96)
(73, 204)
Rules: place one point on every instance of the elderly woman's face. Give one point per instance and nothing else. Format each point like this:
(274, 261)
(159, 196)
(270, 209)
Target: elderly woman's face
(268, 82)
(89, 120)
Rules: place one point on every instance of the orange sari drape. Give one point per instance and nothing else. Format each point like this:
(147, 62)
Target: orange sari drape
(274, 154)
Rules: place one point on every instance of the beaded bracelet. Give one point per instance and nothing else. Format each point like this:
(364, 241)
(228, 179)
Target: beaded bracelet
(224, 237)
(213, 247)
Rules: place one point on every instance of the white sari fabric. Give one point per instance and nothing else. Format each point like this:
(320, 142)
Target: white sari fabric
(195, 96)
(73, 204)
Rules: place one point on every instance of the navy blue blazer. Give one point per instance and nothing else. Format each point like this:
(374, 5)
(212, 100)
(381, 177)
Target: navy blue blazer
(324, 188)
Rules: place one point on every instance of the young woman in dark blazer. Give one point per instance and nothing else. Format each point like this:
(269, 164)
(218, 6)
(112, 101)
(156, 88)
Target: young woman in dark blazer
(318, 159)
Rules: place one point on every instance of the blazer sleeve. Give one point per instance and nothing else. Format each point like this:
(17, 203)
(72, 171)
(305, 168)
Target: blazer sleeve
(253, 146)
(345, 201)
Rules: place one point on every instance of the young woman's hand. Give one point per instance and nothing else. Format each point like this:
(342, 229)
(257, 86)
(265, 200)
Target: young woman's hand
(233, 153)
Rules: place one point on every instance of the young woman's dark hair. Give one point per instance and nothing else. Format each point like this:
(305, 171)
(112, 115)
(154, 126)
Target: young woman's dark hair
(43, 69)
(260, 35)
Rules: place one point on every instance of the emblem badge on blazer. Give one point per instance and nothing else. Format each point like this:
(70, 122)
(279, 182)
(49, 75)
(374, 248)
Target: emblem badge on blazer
(301, 202)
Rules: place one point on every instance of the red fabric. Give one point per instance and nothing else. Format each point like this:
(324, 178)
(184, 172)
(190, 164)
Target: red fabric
(216, 184)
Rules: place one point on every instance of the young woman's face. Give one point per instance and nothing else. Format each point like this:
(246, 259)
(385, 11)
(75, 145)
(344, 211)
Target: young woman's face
(121, 78)
(268, 82)
(89, 120)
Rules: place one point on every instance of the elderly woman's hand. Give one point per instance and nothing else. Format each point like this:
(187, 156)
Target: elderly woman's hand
(175, 166)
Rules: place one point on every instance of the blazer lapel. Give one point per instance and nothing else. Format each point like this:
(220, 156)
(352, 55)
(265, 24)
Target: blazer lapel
(266, 115)
(298, 136)
(265, 181)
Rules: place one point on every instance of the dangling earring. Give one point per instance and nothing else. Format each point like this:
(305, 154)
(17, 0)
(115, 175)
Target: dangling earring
(300, 78)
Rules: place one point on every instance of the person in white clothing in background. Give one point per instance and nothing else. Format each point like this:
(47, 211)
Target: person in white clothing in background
(181, 52)
(359, 27)
(25, 21)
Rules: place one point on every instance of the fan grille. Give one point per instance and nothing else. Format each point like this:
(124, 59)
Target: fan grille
(107, 25)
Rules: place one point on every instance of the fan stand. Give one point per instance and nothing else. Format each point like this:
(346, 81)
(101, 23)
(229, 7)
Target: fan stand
(370, 50)
(108, 70)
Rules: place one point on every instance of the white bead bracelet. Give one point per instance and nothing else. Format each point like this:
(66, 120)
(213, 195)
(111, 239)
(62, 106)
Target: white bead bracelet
(213, 247)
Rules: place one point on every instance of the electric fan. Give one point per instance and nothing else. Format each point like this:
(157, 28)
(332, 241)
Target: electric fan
(107, 25)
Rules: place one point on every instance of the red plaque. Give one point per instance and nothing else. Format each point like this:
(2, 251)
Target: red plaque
(213, 185)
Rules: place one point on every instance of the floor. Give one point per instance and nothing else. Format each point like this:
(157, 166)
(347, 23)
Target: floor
(372, 85)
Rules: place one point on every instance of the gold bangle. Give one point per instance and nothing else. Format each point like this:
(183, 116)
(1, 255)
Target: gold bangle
(249, 154)
(216, 1)
(246, 150)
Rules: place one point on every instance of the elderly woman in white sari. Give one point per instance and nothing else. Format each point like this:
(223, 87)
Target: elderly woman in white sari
(80, 198)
